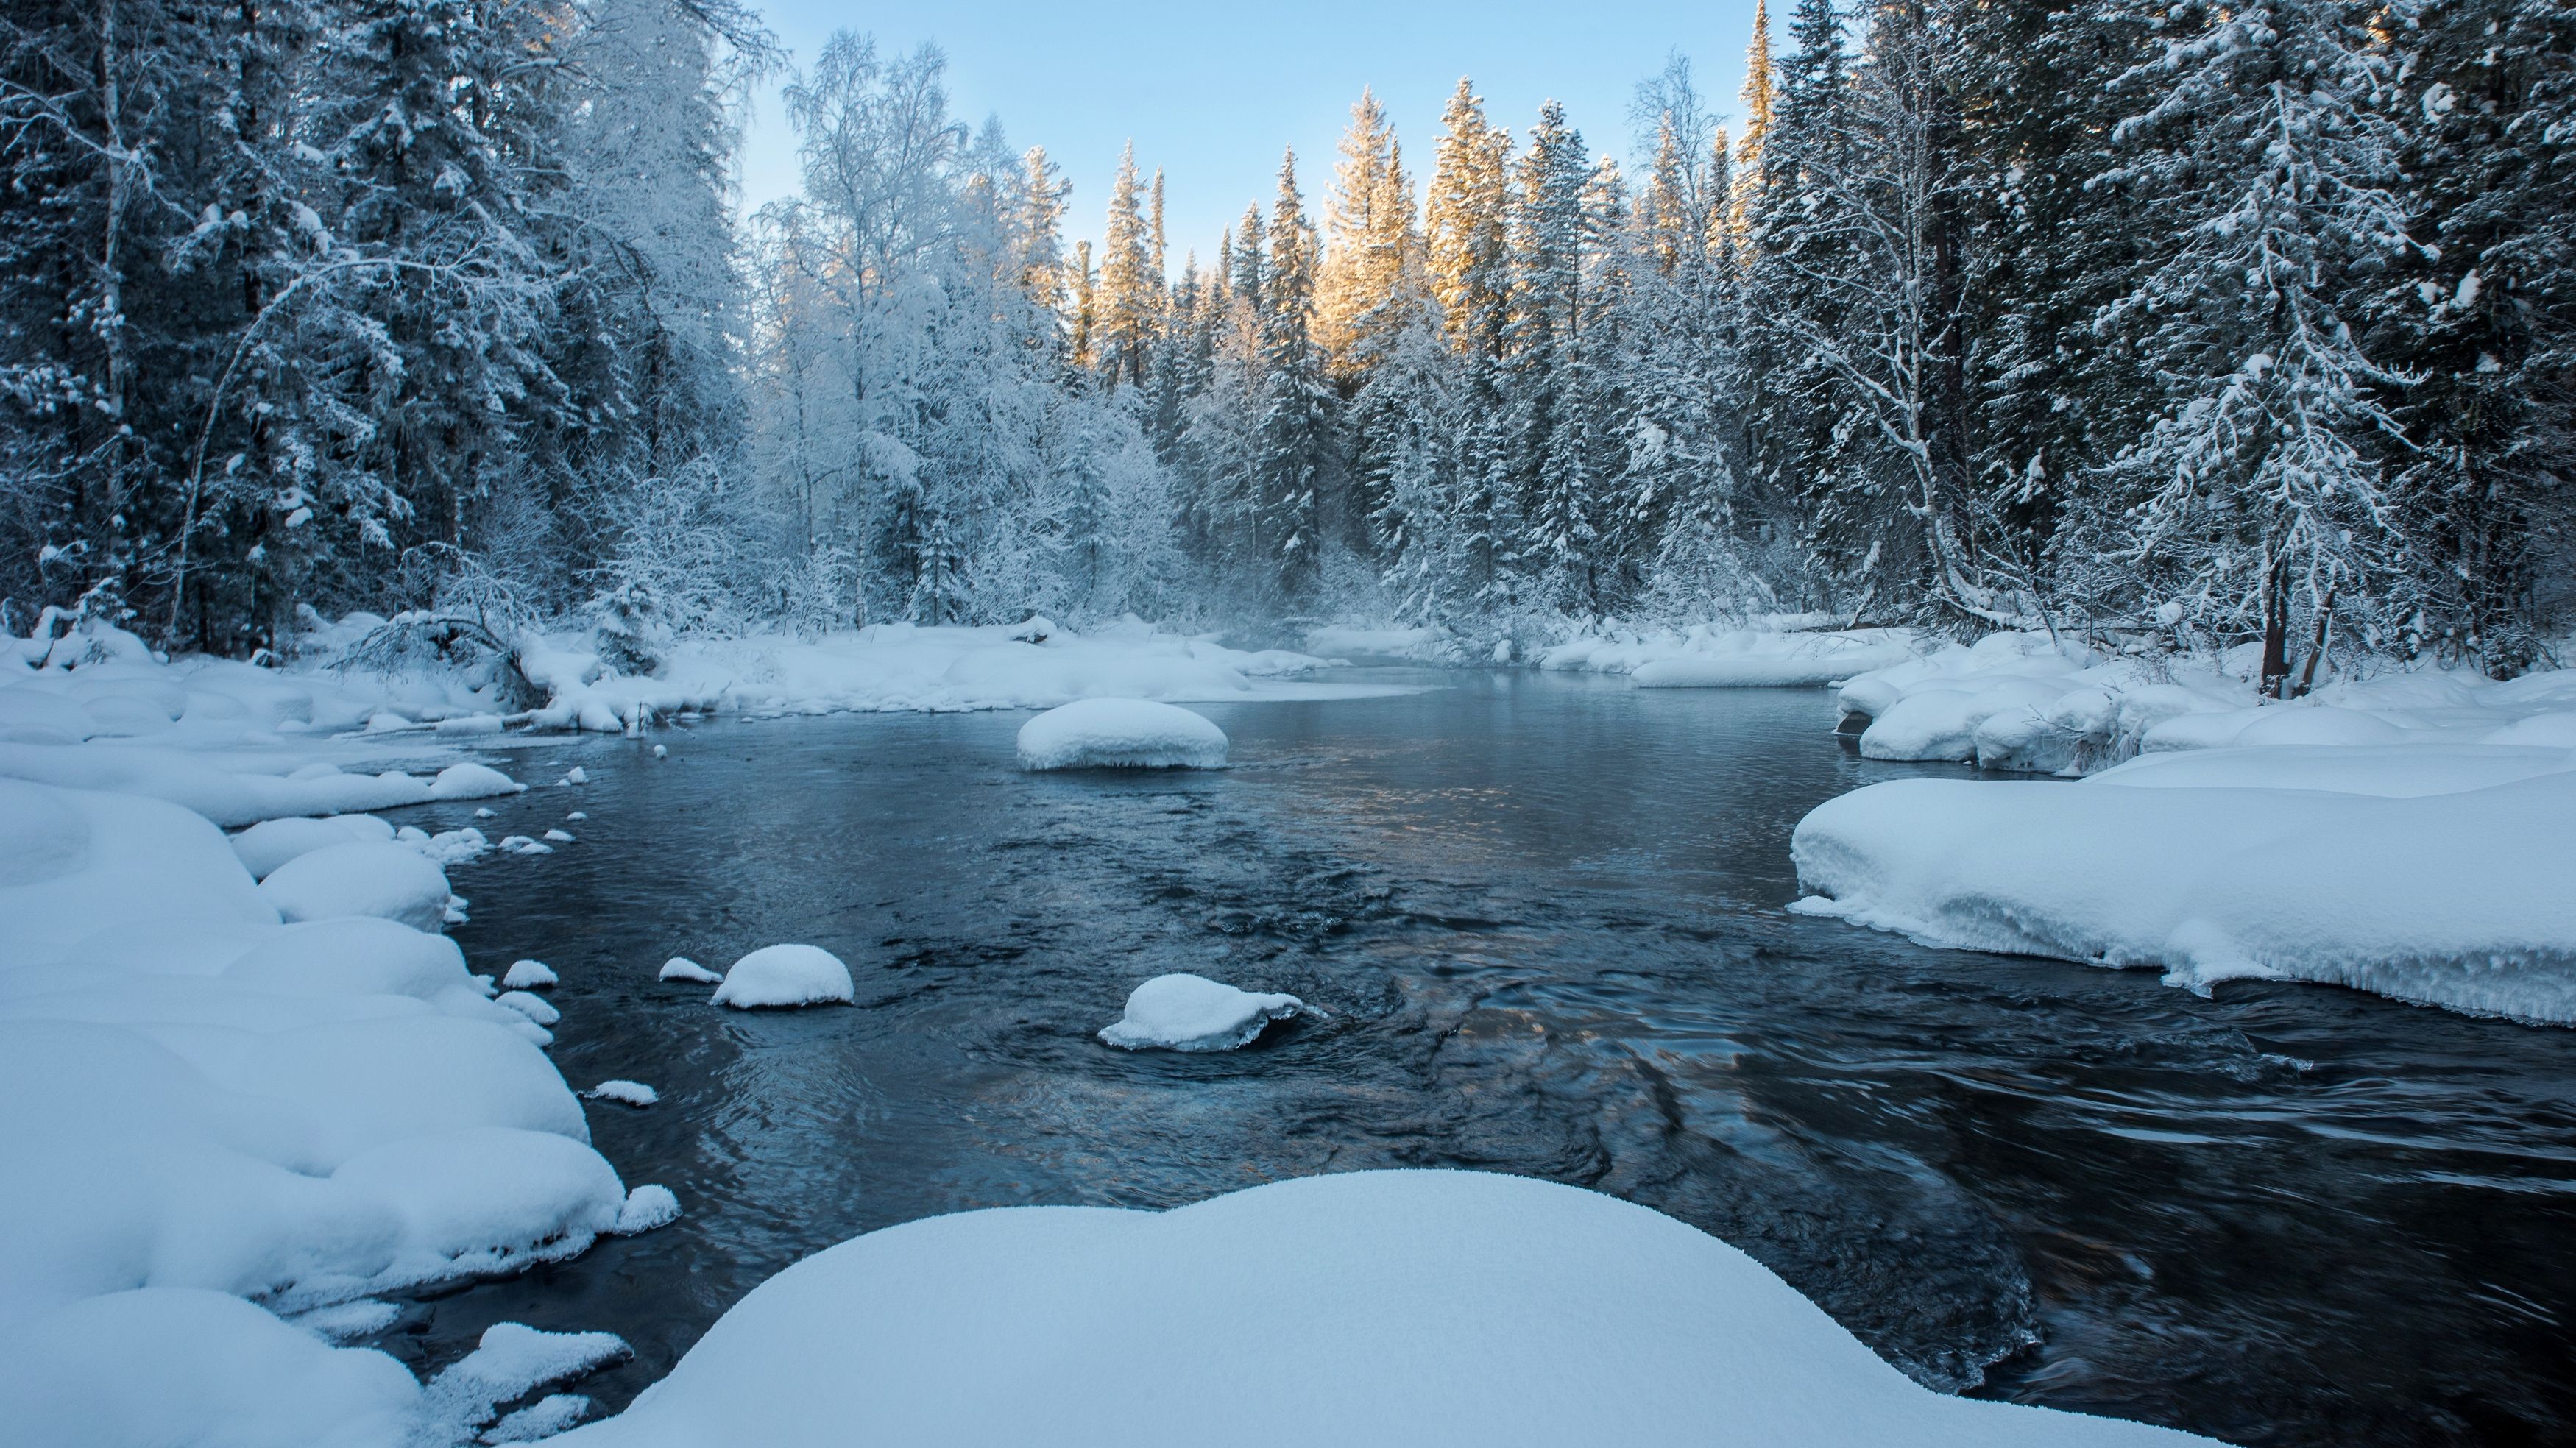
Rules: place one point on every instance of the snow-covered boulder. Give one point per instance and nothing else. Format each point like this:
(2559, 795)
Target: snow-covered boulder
(624, 1092)
(680, 967)
(529, 975)
(1121, 734)
(786, 975)
(1193, 1013)
(1417, 1307)
(388, 881)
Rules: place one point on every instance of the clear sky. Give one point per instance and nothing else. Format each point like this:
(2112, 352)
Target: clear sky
(1212, 92)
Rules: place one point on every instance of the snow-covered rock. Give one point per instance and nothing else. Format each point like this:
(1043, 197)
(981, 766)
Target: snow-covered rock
(529, 975)
(680, 967)
(534, 1007)
(624, 1093)
(387, 881)
(647, 1207)
(1184, 1012)
(786, 975)
(1428, 1307)
(1120, 734)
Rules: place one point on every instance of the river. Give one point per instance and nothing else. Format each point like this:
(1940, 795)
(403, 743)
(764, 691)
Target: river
(1543, 917)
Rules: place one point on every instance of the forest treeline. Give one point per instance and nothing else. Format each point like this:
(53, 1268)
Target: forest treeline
(2184, 322)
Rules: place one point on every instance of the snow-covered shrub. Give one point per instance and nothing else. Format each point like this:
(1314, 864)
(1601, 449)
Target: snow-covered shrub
(434, 643)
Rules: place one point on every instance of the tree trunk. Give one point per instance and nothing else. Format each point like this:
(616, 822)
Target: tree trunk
(2276, 627)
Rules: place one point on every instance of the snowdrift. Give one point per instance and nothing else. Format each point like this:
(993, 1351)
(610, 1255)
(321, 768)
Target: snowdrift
(2025, 703)
(904, 667)
(2430, 873)
(1781, 652)
(247, 1080)
(1418, 1307)
(1120, 734)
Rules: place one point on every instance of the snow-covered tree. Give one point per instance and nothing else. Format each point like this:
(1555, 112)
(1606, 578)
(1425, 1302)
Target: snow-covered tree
(2257, 498)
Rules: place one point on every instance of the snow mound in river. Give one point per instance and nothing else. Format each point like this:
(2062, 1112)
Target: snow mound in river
(786, 975)
(1194, 1013)
(1121, 734)
(1430, 1307)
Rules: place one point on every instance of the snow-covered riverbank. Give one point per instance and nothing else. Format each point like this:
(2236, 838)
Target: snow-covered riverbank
(239, 1112)
(2411, 833)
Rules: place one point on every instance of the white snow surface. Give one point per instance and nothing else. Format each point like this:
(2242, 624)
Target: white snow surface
(1120, 734)
(1184, 1012)
(1771, 654)
(2428, 872)
(231, 1100)
(1414, 1307)
(680, 967)
(2026, 703)
(778, 976)
(388, 881)
(2408, 833)
(901, 666)
(529, 975)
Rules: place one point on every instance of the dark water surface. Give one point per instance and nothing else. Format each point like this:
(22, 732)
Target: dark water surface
(1544, 915)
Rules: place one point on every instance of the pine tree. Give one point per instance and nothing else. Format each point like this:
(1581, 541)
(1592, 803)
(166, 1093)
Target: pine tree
(1295, 464)
(1127, 304)
(2256, 493)
(1549, 454)
(1467, 242)
(1365, 237)
(2481, 314)
(1758, 103)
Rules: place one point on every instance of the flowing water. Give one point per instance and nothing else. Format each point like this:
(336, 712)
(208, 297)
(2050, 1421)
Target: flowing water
(1543, 916)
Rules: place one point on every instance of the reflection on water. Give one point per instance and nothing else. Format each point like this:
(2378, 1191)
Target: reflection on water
(1544, 917)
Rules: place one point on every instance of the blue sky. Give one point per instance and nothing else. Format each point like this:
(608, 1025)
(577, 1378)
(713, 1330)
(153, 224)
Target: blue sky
(1212, 92)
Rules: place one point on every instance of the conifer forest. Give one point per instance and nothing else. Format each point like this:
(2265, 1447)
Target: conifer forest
(2153, 316)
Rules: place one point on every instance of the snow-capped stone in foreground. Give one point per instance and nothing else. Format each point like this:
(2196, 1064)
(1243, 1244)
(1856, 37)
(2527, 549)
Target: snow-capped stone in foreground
(680, 967)
(1415, 1307)
(528, 975)
(2437, 874)
(1193, 1013)
(624, 1092)
(786, 975)
(1121, 734)
(388, 881)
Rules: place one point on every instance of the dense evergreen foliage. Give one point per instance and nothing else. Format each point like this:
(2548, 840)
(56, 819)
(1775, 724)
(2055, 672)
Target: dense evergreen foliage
(2207, 323)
